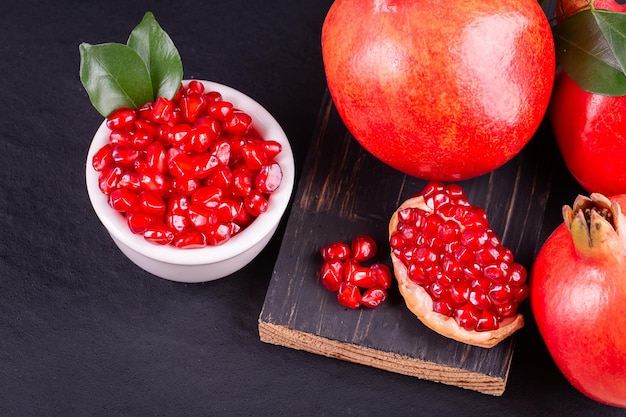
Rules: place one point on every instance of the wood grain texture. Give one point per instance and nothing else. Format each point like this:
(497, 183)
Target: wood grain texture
(344, 191)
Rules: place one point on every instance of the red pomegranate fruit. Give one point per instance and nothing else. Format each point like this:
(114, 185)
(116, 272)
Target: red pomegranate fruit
(578, 292)
(439, 90)
(590, 130)
(452, 270)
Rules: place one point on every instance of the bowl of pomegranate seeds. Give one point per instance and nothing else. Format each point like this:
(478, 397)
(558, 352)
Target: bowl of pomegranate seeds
(193, 188)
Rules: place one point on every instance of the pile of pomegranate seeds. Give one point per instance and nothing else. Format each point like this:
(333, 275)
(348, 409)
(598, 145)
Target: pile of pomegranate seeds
(449, 249)
(356, 285)
(190, 171)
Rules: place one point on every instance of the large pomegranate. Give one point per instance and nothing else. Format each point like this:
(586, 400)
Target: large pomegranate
(578, 294)
(443, 90)
(590, 130)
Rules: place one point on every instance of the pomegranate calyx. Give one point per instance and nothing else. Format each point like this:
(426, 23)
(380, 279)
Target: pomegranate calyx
(594, 224)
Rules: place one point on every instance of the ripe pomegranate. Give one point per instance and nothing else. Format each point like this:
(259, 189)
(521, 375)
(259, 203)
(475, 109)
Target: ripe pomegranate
(578, 293)
(590, 130)
(439, 90)
(452, 270)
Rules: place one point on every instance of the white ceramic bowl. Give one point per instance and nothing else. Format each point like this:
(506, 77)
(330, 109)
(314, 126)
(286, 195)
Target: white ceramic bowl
(211, 262)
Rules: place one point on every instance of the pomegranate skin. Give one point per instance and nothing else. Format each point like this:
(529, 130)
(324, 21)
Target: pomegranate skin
(439, 90)
(590, 130)
(577, 298)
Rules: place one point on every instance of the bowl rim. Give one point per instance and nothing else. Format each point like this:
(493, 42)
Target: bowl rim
(269, 128)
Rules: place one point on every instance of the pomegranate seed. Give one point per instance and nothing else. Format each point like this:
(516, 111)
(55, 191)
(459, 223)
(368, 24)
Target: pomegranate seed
(102, 158)
(124, 156)
(150, 203)
(255, 203)
(221, 177)
(177, 222)
(191, 238)
(121, 118)
(269, 178)
(200, 216)
(139, 222)
(191, 106)
(221, 110)
(349, 295)
(130, 180)
(360, 276)
(228, 209)
(182, 166)
(331, 275)
(488, 321)
(184, 185)
(271, 148)
(238, 123)
(201, 138)
(122, 199)
(336, 251)
(157, 232)
(162, 110)
(155, 156)
(218, 234)
(208, 196)
(382, 275)
(221, 150)
(195, 87)
(213, 96)
(254, 156)
(373, 297)
(109, 177)
(242, 181)
(363, 248)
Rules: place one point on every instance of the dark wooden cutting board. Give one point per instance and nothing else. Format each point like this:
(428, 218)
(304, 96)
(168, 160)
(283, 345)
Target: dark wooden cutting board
(343, 191)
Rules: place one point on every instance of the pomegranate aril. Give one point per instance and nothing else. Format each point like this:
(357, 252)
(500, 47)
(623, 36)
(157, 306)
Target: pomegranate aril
(221, 150)
(200, 216)
(218, 234)
(154, 182)
(121, 118)
(177, 222)
(144, 112)
(179, 134)
(228, 209)
(212, 96)
(201, 138)
(192, 106)
(221, 110)
(139, 222)
(269, 178)
(204, 164)
(158, 233)
(382, 275)
(155, 157)
(150, 203)
(190, 238)
(195, 87)
(363, 247)
(500, 294)
(147, 126)
(221, 177)
(467, 316)
(242, 181)
(349, 295)
(140, 139)
(238, 123)
(124, 155)
(331, 275)
(271, 148)
(373, 297)
(182, 166)
(253, 156)
(162, 110)
(255, 203)
(444, 306)
(102, 158)
(362, 277)
(109, 178)
(336, 251)
(208, 196)
(479, 299)
(122, 199)
(488, 321)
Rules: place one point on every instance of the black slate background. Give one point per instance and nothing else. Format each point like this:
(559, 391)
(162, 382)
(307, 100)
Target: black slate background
(83, 332)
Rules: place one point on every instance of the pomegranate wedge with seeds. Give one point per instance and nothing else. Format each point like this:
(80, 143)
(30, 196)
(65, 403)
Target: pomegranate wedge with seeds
(452, 270)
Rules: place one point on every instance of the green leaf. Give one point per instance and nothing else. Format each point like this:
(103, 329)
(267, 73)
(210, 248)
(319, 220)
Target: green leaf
(159, 53)
(590, 47)
(114, 76)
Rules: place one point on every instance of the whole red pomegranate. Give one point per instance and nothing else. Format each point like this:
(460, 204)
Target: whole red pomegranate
(590, 130)
(578, 294)
(439, 90)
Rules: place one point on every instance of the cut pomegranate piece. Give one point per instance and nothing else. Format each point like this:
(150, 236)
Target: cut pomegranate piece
(452, 270)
